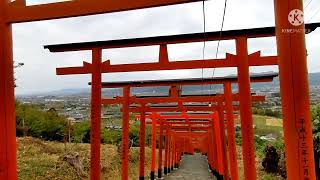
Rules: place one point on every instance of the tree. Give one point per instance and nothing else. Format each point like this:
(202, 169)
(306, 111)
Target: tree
(17, 66)
(81, 132)
(32, 121)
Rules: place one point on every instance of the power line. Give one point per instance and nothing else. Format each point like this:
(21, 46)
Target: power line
(222, 24)
(308, 4)
(221, 29)
(204, 29)
(204, 39)
(314, 15)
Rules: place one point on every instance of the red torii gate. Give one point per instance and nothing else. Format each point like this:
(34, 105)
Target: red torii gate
(145, 108)
(231, 146)
(292, 58)
(164, 122)
(97, 68)
(177, 96)
(220, 164)
(242, 61)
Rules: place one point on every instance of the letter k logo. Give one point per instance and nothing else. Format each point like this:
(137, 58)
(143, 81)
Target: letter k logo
(295, 17)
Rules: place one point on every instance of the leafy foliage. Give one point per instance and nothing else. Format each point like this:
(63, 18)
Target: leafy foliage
(111, 136)
(81, 132)
(32, 121)
(316, 127)
(316, 136)
(266, 112)
(134, 135)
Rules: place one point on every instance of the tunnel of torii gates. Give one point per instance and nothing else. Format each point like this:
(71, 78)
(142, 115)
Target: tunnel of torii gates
(242, 61)
(291, 59)
(185, 133)
(176, 101)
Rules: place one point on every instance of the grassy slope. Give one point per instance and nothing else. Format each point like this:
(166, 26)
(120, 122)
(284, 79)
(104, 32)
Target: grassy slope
(42, 160)
(39, 160)
(261, 175)
(261, 128)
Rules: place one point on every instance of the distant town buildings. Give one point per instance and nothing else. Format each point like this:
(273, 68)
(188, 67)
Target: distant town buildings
(77, 108)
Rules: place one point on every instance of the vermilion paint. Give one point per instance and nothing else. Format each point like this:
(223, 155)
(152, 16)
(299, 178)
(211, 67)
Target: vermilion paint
(125, 134)
(294, 90)
(142, 135)
(95, 115)
(233, 159)
(248, 150)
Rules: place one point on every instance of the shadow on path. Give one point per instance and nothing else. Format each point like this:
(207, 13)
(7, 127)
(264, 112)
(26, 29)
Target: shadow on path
(193, 167)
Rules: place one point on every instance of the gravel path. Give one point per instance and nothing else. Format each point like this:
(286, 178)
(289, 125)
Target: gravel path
(193, 167)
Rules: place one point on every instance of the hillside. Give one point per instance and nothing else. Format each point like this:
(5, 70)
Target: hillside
(43, 160)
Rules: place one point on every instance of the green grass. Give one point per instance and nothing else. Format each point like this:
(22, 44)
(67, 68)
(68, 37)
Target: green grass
(261, 128)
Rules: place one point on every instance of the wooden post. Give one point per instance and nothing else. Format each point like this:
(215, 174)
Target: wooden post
(95, 115)
(125, 134)
(245, 101)
(214, 146)
(160, 149)
(153, 146)
(169, 152)
(209, 150)
(219, 160)
(8, 162)
(166, 156)
(222, 137)
(294, 89)
(172, 152)
(232, 149)
(142, 136)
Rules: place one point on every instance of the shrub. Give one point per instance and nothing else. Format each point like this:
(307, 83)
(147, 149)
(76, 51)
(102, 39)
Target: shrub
(111, 136)
(259, 145)
(316, 136)
(271, 159)
(81, 132)
(46, 125)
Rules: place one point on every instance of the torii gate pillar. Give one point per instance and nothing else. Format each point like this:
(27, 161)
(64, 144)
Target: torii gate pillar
(160, 161)
(125, 134)
(245, 109)
(8, 169)
(294, 86)
(142, 140)
(153, 146)
(232, 149)
(166, 152)
(95, 165)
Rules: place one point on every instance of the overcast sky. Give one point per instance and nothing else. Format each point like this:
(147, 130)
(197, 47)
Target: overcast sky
(38, 73)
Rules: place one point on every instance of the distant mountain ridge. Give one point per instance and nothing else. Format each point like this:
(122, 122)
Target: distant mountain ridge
(314, 80)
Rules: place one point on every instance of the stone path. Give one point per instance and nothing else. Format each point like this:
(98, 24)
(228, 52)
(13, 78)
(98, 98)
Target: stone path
(193, 167)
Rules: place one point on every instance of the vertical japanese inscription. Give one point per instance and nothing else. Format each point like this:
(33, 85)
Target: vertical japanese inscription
(303, 148)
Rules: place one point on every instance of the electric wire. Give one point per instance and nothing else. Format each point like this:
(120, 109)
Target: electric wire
(204, 40)
(314, 15)
(308, 4)
(221, 29)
